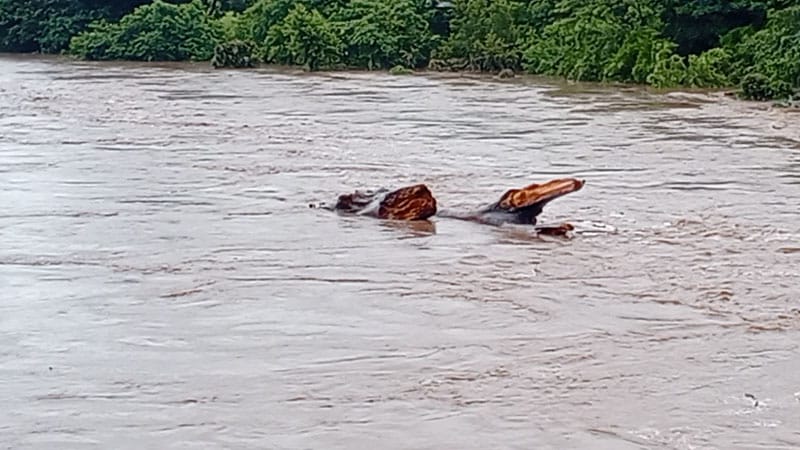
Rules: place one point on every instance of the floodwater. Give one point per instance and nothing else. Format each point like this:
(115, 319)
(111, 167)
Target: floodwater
(164, 284)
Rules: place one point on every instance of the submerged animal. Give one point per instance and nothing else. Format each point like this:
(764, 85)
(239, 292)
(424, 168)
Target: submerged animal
(416, 202)
(408, 203)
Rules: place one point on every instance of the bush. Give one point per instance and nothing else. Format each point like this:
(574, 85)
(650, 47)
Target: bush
(574, 48)
(305, 38)
(773, 51)
(709, 69)
(638, 56)
(229, 25)
(698, 25)
(96, 42)
(487, 34)
(56, 31)
(216, 8)
(757, 86)
(781, 89)
(236, 54)
(383, 34)
(156, 32)
(48, 25)
(256, 21)
(669, 69)
(599, 40)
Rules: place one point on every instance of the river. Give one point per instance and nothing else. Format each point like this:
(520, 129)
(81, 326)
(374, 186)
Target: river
(164, 283)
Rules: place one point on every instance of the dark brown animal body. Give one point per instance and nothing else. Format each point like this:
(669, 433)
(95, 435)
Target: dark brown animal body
(408, 203)
(517, 206)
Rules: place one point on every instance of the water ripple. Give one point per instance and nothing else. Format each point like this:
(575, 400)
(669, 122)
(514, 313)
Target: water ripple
(165, 280)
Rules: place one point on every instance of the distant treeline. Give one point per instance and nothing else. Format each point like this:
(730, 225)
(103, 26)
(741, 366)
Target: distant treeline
(700, 43)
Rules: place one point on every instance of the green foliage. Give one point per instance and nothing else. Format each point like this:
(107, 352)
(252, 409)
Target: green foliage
(756, 86)
(576, 48)
(96, 42)
(57, 30)
(213, 8)
(156, 32)
(487, 33)
(381, 34)
(235, 54)
(781, 4)
(709, 69)
(664, 43)
(669, 69)
(698, 25)
(257, 20)
(230, 25)
(638, 56)
(599, 40)
(48, 25)
(216, 8)
(781, 89)
(773, 51)
(538, 14)
(328, 8)
(304, 37)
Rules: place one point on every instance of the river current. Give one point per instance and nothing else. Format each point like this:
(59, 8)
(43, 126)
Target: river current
(164, 284)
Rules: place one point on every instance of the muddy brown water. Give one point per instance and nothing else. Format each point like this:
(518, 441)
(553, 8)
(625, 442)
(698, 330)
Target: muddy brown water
(165, 285)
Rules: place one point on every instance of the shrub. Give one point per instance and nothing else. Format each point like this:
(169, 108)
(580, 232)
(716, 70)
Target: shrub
(256, 21)
(781, 89)
(96, 42)
(230, 25)
(669, 69)
(757, 86)
(216, 8)
(773, 51)
(638, 56)
(487, 33)
(156, 32)
(599, 40)
(48, 25)
(383, 34)
(236, 54)
(304, 37)
(709, 69)
(698, 25)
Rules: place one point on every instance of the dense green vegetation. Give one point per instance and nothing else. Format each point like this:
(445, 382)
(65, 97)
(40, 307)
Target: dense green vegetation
(48, 25)
(156, 31)
(698, 43)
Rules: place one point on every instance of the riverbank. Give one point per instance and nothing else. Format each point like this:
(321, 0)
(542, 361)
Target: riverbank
(720, 95)
(750, 45)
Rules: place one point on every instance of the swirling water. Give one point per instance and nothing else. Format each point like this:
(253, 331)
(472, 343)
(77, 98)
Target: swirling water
(165, 285)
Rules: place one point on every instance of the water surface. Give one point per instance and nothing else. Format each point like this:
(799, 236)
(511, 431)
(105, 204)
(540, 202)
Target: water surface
(164, 284)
